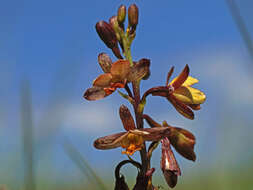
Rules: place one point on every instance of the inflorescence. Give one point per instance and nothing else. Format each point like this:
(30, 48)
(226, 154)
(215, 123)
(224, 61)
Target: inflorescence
(124, 72)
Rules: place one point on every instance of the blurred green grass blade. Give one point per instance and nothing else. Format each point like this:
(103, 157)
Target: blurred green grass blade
(241, 25)
(27, 129)
(83, 165)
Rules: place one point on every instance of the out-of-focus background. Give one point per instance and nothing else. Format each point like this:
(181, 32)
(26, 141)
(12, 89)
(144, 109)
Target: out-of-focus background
(48, 57)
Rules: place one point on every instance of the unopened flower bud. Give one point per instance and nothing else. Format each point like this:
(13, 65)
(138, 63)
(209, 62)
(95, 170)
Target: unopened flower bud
(126, 118)
(114, 23)
(108, 36)
(133, 14)
(116, 52)
(105, 62)
(121, 14)
(106, 33)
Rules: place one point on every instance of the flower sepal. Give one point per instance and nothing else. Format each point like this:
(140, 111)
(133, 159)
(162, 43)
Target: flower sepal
(140, 70)
(183, 141)
(169, 165)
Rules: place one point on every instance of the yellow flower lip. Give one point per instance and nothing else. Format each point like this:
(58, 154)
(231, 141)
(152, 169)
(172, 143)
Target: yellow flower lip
(182, 96)
(132, 143)
(182, 90)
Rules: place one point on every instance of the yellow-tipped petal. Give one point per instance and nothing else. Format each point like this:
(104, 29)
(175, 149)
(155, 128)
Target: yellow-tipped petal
(190, 81)
(189, 95)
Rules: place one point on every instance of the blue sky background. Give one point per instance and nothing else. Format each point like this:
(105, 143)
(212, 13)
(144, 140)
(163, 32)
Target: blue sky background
(54, 46)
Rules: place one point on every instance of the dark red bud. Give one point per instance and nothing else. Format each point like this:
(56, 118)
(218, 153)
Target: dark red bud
(133, 14)
(121, 14)
(108, 36)
(106, 33)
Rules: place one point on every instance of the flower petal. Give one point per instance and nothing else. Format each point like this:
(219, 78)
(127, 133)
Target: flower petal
(126, 118)
(169, 164)
(182, 108)
(184, 142)
(94, 93)
(103, 80)
(118, 84)
(139, 71)
(105, 62)
(152, 134)
(189, 95)
(169, 75)
(190, 81)
(194, 106)
(109, 142)
(120, 70)
(181, 78)
(152, 123)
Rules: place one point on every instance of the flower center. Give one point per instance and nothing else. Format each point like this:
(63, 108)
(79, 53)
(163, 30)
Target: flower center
(132, 143)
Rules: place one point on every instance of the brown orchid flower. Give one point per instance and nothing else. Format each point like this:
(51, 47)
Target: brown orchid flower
(132, 140)
(116, 75)
(105, 84)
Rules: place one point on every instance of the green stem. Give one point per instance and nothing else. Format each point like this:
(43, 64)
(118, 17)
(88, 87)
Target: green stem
(127, 50)
(139, 124)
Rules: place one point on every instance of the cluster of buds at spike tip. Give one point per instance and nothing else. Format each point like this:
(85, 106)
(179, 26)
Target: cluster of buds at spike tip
(117, 75)
(114, 32)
